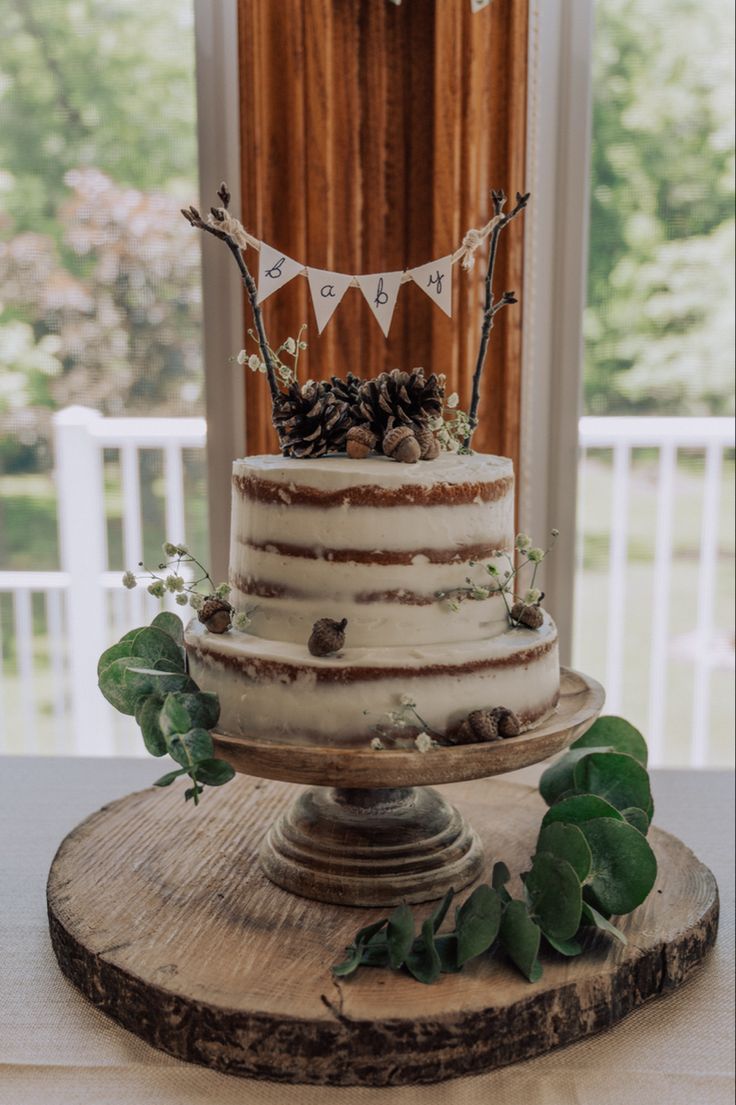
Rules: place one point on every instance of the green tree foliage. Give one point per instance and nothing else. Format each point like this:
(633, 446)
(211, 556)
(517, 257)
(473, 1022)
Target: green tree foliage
(659, 325)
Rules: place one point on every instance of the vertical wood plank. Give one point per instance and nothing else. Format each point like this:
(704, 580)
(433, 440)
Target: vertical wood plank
(371, 135)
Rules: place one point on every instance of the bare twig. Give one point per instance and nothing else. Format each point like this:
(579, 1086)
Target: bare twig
(491, 307)
(193, 217)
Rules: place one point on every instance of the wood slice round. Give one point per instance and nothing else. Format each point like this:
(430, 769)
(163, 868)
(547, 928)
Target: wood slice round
(161, 915)
(581, 700)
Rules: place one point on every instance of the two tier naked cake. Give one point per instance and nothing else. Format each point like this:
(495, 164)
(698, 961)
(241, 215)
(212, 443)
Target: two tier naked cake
(379, 544)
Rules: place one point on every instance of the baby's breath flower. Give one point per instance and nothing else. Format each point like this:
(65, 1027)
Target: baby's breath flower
(555, 533)
(223, 590)
(396, 717)
(181, 600)
(492, 569)
(523, 541)
(196, 601)
(290, 346)
(182, 550)
(169, 549)
(242, 357)
(535, 555)
(407, 700)
(377, 744)
(174, 583)
(254, 362)
(129, 580)
(156, 588)
(533, 595)
(453, 400)
(241, 621)
(424, 742)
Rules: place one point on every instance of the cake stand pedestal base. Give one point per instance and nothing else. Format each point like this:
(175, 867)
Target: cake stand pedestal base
(371, 847)
(162, 916)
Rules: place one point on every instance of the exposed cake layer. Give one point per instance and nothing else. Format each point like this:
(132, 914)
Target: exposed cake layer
(271, 690)
(372, 541)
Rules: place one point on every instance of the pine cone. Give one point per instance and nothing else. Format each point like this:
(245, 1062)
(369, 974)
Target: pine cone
(327, 636)
(479, 726)
(528, 614)
(348, 390)
(399, 399)
(507, 722)
(310, 420)
(216, 614)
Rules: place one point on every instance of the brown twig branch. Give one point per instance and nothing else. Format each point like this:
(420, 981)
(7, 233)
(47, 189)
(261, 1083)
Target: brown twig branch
(491, 307)
(193, 217)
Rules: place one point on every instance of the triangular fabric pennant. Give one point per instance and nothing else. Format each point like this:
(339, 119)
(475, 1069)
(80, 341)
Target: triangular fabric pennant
(327, 290)
(274, 270)
(435, 279)
(381, 290)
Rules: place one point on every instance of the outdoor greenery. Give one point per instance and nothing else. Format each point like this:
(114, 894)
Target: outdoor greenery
(591, 861)
(659, 326)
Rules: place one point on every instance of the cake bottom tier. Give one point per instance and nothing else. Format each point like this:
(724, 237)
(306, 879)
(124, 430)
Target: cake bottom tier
(276, 691)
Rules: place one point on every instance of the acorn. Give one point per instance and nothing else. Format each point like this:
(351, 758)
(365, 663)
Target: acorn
(507, 722)
(528, 614)
(479, 726)
(327, 637)
(428, 444)
(360, 442)
(216, 614)
(400, 444)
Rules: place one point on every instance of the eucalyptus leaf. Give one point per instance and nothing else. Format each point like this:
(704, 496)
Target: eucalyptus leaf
(143, 681)
(399, 935)
(214, 772)
(153, 644)
(499, 877)
(555, 896)
(446, 946)
(171, 624)
(520, 938)
(350, 964)
(477, 923)
(167, 779)
(579, 808)
(616, 733)
(369, 931)
(374, 954)
(118, 689)
(615, 776)
(115, 652)
(568, 948)
(191, 748)
(439, 914)
(202, 707)
(624, 866)
(423, 961)
(637, 818)
(147, 715)
(560, 776)
(591, 914)
(175, 717)
(566, 842)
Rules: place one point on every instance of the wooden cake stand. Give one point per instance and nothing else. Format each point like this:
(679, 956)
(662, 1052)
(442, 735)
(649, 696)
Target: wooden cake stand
(163, 917)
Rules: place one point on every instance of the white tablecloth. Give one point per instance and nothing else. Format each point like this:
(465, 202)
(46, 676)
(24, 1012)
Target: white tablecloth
(56, 1049)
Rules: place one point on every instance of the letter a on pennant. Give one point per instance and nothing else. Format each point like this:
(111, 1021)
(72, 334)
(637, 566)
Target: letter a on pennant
(435, 279)
(274, 270)
(327, 290)
(381, 290)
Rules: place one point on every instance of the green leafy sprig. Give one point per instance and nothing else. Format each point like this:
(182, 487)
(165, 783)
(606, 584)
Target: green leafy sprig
(145, 675)
(591, 861)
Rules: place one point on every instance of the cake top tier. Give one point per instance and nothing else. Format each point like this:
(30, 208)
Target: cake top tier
(339, 480)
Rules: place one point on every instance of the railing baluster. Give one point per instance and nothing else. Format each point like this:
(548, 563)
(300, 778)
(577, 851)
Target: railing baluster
(706, 597)
(23, 625)
(174, 483)
(617, 575)
(661, 601)
(56, 639)
(132, 529)
(4, 747)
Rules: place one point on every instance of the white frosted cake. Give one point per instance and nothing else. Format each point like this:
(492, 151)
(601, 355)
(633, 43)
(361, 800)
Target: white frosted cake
(373, 542)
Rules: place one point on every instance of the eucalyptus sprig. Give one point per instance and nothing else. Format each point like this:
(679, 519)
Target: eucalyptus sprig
(591, 861)
(145, 675)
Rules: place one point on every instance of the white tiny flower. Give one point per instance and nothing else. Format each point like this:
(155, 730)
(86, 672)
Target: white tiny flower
(241, 621)
(302, 345)
(174, 583)
(535, 555)
(254, 362)
(242, 357)
(181, 600)
(182, 550)
(129, 580)
(196, 601)
(533, 595)
(290, 346)
(169, 549)
(523, 541)
(555, 533)
(406, 700)
(424, 742)
(377, 744)
(453, 400)
(223, 590)
(156, 588)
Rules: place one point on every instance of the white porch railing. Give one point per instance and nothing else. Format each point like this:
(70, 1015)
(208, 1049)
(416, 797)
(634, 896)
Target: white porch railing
(83, 608)
(712, 436)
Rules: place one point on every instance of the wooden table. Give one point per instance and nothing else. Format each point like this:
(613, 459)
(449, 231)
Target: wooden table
(55, 1048)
